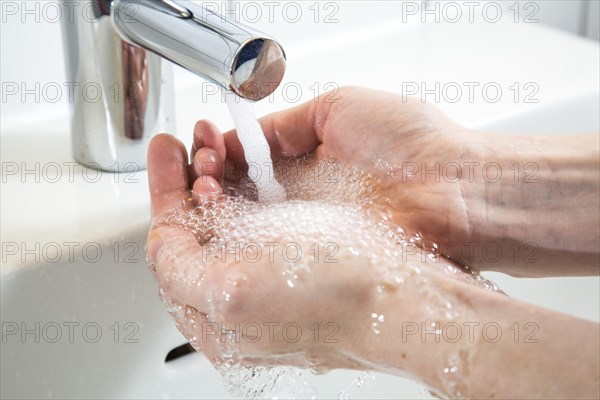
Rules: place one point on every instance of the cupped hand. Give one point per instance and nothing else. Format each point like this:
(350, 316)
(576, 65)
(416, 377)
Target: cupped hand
(401, 140)
(328, 317)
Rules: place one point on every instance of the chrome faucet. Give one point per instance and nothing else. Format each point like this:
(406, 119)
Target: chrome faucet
(114, 54)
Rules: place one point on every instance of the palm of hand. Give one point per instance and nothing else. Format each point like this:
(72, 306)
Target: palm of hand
(404, 133)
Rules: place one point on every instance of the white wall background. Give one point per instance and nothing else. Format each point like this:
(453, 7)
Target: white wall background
(31, 45)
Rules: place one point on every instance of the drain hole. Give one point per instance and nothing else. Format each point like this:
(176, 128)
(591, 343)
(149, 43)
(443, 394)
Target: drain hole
(179, 352)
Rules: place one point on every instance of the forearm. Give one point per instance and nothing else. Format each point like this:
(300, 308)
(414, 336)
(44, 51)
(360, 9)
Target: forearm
(493, 347)
(536, 199)
(541, 353)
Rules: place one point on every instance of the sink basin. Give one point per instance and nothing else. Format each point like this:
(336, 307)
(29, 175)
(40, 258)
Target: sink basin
(80, 311)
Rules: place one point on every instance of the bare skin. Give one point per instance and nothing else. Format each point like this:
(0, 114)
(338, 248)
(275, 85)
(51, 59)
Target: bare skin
(465, 212)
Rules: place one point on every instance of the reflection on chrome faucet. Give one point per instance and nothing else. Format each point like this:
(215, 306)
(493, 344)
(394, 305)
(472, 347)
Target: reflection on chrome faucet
(135, 72)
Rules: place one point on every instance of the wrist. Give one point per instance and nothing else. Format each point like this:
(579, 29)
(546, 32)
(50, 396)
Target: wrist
(498, 192)
(519, 199)
(419, 339)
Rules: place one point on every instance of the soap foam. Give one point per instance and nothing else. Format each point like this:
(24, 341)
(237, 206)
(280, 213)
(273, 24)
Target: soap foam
(326, 203)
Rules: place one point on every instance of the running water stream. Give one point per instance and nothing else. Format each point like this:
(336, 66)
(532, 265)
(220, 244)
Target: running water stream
(256, 150)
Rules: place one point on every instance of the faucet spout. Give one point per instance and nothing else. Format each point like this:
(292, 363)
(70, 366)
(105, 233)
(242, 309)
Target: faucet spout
(239, 58)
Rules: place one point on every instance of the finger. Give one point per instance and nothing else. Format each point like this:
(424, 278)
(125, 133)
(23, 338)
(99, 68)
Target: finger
(205, 187)
(206, 162)
(167, 175)
(289, 133)
(206, 134)
(179, 263)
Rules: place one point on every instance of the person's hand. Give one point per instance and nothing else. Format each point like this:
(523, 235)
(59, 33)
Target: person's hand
(401, 140)
(335, 305)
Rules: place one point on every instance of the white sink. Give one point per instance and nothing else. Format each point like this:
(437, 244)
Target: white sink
(120, 297)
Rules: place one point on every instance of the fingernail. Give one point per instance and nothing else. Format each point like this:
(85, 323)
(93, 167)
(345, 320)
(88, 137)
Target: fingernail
(155, 243)
(212, 186)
